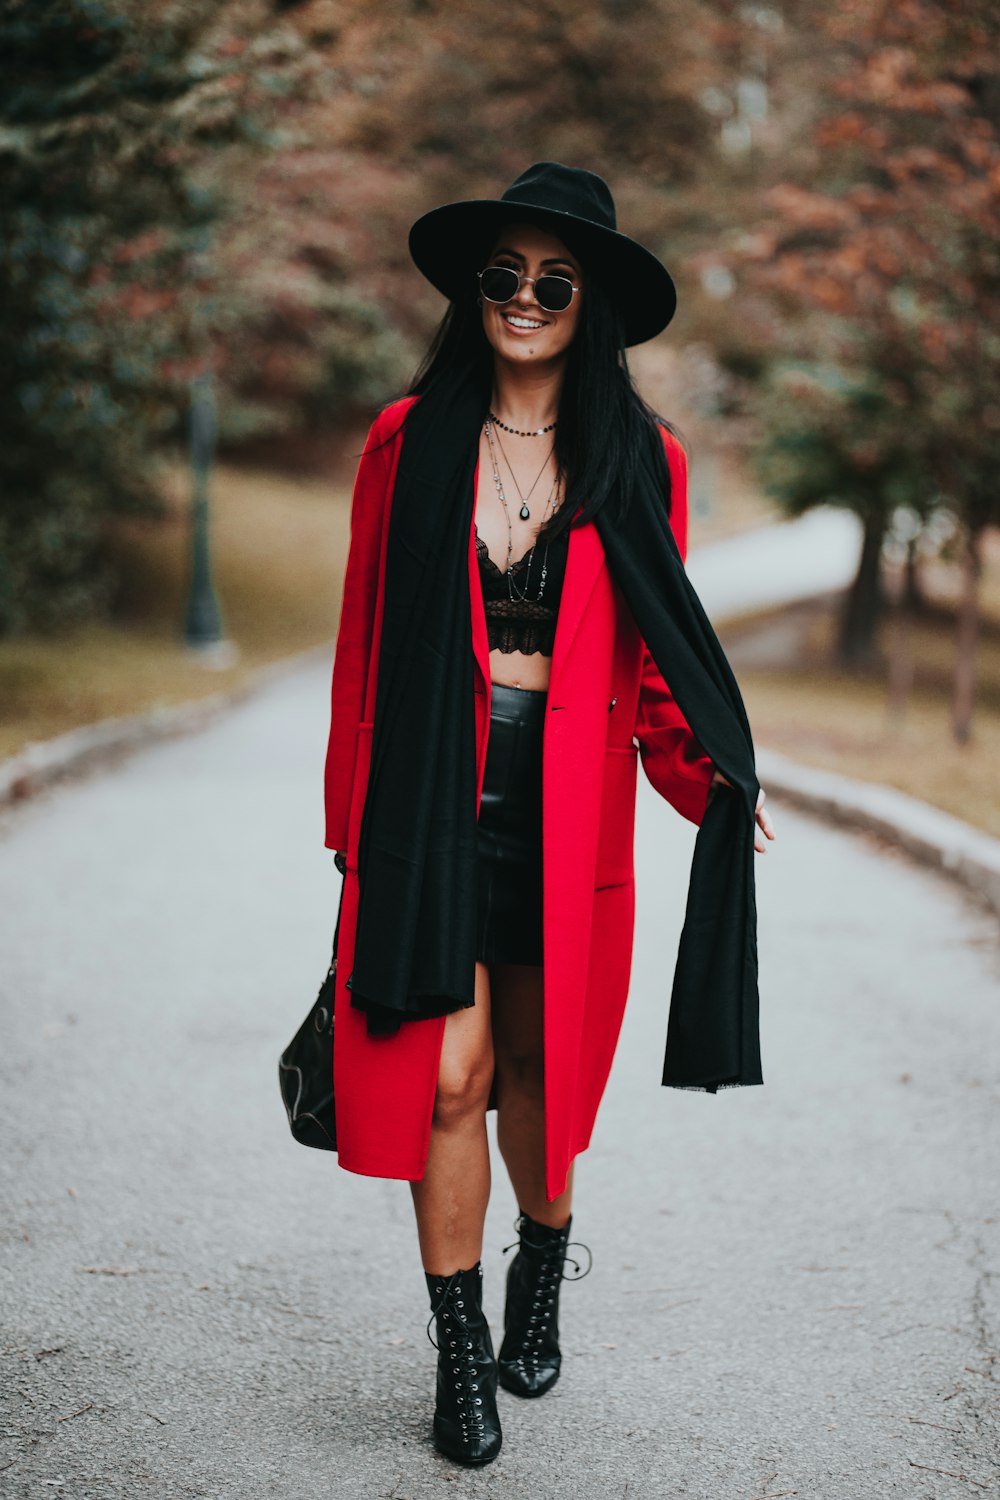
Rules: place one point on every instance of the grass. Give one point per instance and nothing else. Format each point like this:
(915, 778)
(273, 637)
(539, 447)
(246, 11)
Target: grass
(801, 703)
(724, 501)
(279, 550)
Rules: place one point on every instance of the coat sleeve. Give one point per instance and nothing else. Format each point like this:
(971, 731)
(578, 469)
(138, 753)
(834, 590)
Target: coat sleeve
(354, 634)
(674, 762)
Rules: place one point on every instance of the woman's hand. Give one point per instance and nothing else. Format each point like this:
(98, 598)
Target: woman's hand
(762, 815)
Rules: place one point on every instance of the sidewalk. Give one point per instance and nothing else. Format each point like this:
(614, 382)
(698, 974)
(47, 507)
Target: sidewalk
(777, 564)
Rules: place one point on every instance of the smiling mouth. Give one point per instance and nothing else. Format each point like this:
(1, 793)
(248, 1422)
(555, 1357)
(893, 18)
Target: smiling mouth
(516, 321)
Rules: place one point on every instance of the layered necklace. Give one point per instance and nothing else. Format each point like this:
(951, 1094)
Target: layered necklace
(493, 438)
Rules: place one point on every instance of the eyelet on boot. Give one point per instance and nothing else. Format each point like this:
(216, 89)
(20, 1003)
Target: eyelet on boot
(530, 1359)
(466, 1421)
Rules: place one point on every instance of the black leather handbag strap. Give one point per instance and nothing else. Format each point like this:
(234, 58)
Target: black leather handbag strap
(340, 860)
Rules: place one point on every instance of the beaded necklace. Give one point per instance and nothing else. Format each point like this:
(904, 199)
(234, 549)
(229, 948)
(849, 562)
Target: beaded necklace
(532, 432)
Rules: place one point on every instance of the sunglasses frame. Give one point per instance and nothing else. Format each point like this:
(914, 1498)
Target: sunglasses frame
(521, 279)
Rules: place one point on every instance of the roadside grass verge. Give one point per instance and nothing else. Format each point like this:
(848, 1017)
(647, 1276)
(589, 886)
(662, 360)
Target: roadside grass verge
(802, 703)
(723, 499)
(279, 548)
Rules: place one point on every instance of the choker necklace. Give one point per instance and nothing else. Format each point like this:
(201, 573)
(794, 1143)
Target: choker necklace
(535, 431)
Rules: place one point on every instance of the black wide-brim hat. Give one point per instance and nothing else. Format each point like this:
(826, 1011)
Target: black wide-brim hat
(449, 244)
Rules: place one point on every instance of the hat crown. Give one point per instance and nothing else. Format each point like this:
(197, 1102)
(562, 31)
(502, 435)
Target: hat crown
(566, 190)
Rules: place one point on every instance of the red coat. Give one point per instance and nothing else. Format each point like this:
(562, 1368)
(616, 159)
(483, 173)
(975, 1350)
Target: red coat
(604, 694)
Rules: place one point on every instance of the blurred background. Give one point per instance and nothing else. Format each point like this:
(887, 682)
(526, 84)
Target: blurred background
(206, 294)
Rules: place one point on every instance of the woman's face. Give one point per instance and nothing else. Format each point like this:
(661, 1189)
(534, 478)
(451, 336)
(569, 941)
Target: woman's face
(520, 330)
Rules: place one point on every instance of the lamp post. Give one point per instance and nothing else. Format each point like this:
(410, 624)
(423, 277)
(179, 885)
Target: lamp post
(203, 618)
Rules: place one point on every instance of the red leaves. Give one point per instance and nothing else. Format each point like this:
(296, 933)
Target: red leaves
(139, 302)
(811, 210)
(127, 252)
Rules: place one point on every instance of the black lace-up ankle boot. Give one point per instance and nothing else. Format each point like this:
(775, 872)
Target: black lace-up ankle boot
(530, 1360)
(466, 1421)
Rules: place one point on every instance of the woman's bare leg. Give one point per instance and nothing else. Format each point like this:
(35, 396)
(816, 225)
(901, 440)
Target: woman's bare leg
(451, 1198)
(518, 1042)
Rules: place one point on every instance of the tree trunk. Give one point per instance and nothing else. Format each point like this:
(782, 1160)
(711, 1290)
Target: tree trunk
(914, 593)
(901, 656)
(964, 686)
(863, 605)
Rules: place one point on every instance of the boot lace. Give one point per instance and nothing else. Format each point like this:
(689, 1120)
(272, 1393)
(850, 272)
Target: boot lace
(458, 1352)
(549, 1271)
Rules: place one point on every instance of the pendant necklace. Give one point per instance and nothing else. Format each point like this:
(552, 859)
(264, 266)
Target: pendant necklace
(512, 589)
(524, 512)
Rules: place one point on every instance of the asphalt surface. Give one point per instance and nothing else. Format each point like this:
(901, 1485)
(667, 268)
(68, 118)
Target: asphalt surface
(794, 1288)
(778, 564)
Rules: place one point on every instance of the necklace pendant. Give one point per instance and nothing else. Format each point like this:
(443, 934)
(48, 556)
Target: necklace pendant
(524, 513)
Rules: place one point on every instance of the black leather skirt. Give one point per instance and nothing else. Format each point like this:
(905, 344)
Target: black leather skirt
(510, 829)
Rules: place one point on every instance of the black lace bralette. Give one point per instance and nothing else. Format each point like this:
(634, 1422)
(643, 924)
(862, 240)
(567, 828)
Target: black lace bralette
(526, 625)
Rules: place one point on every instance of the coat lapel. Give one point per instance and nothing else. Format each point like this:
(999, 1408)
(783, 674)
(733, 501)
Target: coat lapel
(480, 638)
(585, 558)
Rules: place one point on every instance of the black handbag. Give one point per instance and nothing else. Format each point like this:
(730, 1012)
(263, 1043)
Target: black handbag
(305, 1068)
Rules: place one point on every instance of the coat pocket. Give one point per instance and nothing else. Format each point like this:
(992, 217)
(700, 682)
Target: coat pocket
(616, 834)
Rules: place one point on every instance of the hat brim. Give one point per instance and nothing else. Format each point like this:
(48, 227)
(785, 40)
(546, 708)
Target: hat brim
(446, 242)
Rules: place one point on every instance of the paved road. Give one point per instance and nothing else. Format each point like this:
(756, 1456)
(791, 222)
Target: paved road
(777, 564)
(795, 1288)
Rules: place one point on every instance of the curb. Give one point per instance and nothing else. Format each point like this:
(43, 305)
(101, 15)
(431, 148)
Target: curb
(929, 836)
(44, 762)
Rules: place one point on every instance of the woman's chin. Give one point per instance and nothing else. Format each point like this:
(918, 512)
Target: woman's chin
(523, 351)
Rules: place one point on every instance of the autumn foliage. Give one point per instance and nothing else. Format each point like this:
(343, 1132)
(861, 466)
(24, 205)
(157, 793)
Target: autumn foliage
(871, 284)
(227, 186)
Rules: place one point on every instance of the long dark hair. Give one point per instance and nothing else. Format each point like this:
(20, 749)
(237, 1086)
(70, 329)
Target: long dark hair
(602, 419)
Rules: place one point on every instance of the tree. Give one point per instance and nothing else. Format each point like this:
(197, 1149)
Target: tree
(887, 248)
(108, 109)
(228, 183)
(838, 438)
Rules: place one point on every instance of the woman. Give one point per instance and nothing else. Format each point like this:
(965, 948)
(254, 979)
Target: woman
(500, 653)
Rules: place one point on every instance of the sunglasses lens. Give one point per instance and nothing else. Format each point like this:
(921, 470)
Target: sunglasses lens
(554, 293)
(498, 283)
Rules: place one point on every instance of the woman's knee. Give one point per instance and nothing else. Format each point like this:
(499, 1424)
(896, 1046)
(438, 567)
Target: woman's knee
(521, 1069)
(463, 1091)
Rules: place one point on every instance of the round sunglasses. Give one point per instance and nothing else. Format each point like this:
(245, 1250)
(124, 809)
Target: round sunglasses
(502, 283)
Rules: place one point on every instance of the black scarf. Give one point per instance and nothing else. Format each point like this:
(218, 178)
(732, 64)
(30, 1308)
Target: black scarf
(415, 940)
